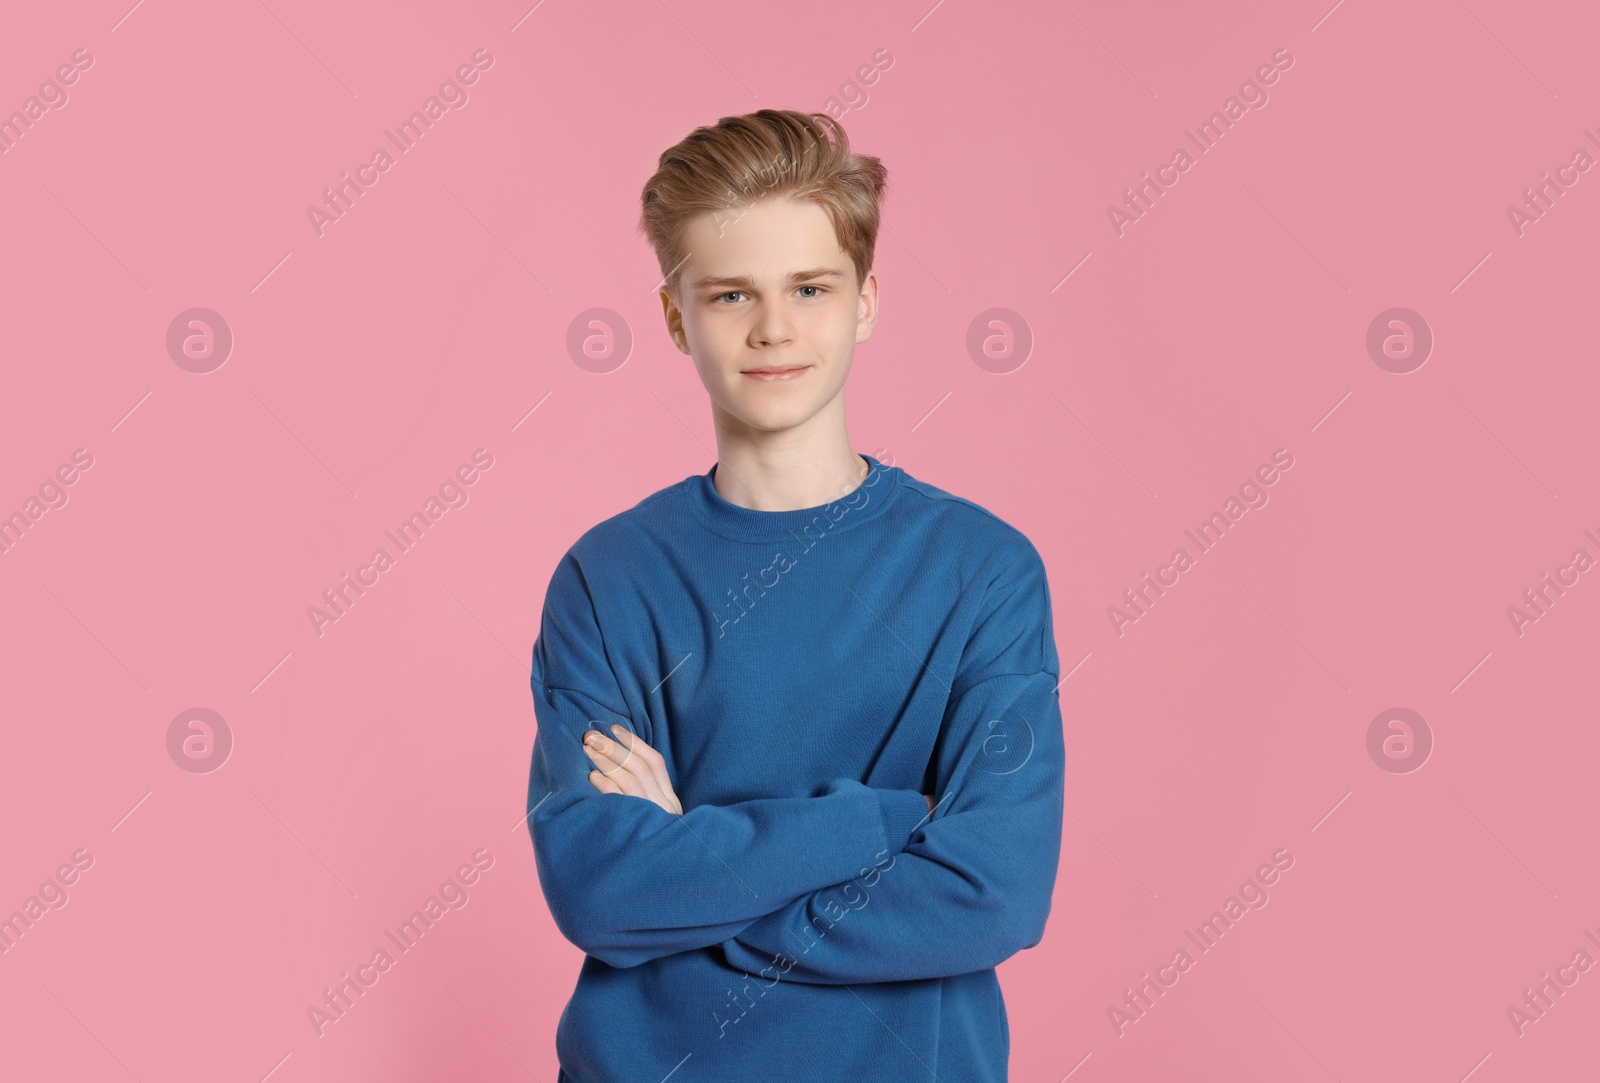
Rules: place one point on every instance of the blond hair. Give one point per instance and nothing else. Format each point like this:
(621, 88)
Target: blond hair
(723, 168)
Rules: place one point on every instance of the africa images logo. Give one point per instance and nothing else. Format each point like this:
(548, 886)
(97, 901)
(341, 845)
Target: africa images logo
(825, 520)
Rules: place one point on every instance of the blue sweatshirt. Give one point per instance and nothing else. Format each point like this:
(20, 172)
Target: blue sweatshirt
(806, 676)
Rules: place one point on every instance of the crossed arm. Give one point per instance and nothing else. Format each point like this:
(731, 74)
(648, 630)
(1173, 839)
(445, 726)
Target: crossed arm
(851, 884)
(971, 887)
(625, 764)
(629, 881)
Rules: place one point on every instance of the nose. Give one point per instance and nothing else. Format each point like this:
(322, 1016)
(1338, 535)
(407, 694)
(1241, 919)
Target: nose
(772, 327)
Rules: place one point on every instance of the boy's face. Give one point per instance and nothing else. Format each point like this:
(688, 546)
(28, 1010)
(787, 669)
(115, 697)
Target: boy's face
(770, 289)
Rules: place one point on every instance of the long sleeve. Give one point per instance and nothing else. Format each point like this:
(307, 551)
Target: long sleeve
(626, 880)
(974, 885)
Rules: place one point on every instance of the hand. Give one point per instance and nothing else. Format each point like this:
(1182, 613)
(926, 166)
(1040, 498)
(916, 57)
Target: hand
(928, 797)
(627, 765)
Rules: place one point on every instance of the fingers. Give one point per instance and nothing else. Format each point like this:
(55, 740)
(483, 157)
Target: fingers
(652, 768)
(613, 761)
(652, 763)
(632, 767)
(658, 784)
(627, 764)
(656, 768)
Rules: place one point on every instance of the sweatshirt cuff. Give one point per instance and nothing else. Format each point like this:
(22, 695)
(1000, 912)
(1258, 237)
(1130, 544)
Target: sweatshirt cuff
(903, 812)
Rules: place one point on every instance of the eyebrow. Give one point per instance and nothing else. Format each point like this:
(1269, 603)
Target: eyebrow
(745, 282)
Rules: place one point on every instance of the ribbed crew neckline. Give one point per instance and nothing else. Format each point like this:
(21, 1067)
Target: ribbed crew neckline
(739, 523)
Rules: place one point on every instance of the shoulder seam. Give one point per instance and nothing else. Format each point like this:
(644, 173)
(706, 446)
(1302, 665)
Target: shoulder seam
(580, 692)
(999, 676)
(945, 495)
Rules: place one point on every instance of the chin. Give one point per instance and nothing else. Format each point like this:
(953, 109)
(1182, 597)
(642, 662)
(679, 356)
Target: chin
(769, 420)
(775, 423)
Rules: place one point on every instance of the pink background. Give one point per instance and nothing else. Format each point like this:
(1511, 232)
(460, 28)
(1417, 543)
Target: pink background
(368, 363)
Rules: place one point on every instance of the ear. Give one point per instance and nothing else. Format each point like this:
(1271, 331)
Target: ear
(867, 307)
(674, 318)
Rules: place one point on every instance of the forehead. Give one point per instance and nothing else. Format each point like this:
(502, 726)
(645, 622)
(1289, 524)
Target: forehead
(765, 240)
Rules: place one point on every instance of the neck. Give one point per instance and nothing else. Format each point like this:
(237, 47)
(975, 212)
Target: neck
(804, 467)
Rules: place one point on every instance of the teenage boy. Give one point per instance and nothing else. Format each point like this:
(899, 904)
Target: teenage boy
(820, 797)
